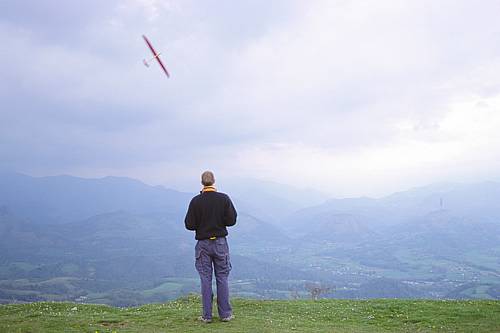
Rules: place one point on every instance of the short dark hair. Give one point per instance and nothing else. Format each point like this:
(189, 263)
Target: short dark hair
(207, 178)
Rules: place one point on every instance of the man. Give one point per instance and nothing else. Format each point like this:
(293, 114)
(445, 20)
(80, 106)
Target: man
(209, 214)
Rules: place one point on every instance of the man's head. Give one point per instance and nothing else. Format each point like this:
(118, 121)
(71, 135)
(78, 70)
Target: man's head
(207, 178)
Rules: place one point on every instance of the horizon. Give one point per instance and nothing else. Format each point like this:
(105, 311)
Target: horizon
(232, 182)
(349, 98)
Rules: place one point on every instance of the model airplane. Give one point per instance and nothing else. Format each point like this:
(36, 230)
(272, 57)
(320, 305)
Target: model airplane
(156, 56)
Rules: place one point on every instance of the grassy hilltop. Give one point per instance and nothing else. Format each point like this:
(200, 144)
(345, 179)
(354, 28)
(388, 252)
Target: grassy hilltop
(259, 316)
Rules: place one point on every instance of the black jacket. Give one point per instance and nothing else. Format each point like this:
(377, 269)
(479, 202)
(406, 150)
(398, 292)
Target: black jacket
(209, 213)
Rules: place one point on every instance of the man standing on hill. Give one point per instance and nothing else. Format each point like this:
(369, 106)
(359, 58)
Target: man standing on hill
(209, 213)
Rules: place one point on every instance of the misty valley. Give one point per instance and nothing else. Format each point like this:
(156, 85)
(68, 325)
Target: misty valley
(121, 242)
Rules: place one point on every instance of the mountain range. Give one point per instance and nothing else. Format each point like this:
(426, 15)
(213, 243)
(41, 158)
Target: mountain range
(119, 241)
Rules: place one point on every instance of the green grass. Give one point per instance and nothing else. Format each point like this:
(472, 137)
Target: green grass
(259, 316)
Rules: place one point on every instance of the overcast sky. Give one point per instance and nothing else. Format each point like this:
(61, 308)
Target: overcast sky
(348, 97)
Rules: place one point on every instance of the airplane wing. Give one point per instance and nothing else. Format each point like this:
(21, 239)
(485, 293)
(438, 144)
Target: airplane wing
(149, 45)
(163, 67)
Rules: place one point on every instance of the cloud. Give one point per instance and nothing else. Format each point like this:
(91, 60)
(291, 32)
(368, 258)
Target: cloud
(354, 97)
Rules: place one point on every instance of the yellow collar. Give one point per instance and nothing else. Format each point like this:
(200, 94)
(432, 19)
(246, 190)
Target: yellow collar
(208, 189)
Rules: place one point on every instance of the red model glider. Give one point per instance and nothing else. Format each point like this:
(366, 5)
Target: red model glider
(155, 56)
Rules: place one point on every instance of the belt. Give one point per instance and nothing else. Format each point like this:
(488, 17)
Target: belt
(213, 238)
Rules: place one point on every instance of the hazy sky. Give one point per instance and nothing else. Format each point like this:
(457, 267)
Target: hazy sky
(349, 97)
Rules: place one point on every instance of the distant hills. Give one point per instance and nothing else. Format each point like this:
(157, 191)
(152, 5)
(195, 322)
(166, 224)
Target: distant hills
(268, 200)
(476, 203)
(64, 199)
(119, 241)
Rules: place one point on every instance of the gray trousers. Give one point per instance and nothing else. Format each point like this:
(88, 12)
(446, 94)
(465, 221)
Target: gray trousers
(214, 253)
